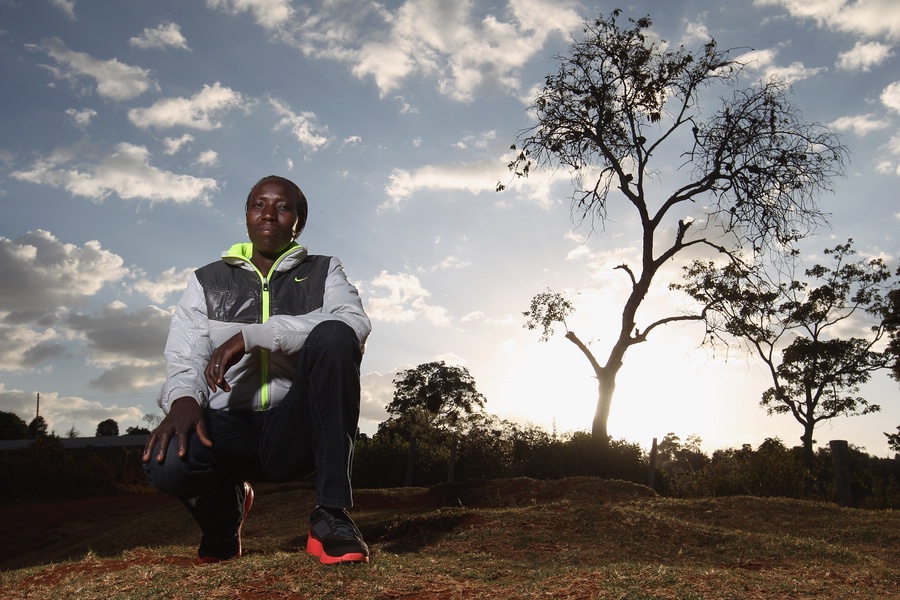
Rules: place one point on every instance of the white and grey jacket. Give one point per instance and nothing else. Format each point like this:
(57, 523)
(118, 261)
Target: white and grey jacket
(275, 315)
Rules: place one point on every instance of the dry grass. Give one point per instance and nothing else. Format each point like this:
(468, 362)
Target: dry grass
(573, 538)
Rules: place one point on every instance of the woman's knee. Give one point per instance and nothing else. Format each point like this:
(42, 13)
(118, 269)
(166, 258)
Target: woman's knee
(186, 476)
(334, 336)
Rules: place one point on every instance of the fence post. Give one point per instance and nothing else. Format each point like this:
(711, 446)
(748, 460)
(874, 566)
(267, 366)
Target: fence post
(411, 461)
(451, 464)
(651, 477)
(840, 457)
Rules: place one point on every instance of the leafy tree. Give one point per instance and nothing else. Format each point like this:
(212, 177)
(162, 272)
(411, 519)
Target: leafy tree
(894, 440)
(892, 325)
(12, 427)
(137, 431)
(444, 392)
(72, 432)
(37, 428)
(891, 316)
(107, 428)
(751, 168)
(434, 396)
(795, 325)
(675, 456)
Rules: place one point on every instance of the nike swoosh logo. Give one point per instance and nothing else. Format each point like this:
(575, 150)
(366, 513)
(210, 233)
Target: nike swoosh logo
(299, 279)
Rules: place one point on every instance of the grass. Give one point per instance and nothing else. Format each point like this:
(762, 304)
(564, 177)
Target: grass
(520, 538)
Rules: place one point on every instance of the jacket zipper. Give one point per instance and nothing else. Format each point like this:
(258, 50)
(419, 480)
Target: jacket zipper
(264, 354)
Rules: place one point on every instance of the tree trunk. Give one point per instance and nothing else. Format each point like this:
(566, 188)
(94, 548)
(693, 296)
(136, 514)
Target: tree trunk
(606, 386)
(809, 456)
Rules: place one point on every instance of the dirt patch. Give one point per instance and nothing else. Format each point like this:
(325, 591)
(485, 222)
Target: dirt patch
(34, 531)
(33, 527)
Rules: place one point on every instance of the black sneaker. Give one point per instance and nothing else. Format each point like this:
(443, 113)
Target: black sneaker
(334, 538)
(234, 546)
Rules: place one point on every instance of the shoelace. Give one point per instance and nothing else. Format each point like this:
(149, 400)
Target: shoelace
(342, 526)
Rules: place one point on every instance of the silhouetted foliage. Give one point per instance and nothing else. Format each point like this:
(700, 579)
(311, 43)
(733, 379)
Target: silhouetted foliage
(445, 392)
(37, 428)
(894, 440)
(750, 167)
(137, 431)
(12, 427)
(892, 325)
(673, 456)
(434, 401)
(45, 469)
(495, 449)
(798, 326)
(107, 428)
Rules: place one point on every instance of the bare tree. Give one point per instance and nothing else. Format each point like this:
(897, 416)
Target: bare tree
(751, 168)
(152, 420)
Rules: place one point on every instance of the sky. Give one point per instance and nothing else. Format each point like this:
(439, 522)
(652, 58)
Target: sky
(131, 133)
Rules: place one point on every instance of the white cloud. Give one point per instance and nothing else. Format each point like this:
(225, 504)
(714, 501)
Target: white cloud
(473, 317)
(480, 141)
(67, 6)
(894, 145)
(113, 79)
(890, 96)
(764, 61)
(49, 276)
(859, 124)
(200, 111)
(304, 125)
(867, 17)
(207, 158)
(267, 13)
(169, 281)
(173, 145)
(81, 118)
(127, 172)
(474, 177)
(695, 32)
(864, 56)
(165, 35)
(887, 166)
(400, 297)
(451, 262)
(796, 71)
(479, 317)
(445, 41)
(24, 347)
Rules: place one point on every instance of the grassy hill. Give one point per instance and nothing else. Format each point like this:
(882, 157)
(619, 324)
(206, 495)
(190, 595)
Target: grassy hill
(517, 538)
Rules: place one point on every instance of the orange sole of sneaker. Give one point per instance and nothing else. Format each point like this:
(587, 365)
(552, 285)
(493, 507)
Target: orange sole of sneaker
(314, 547)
